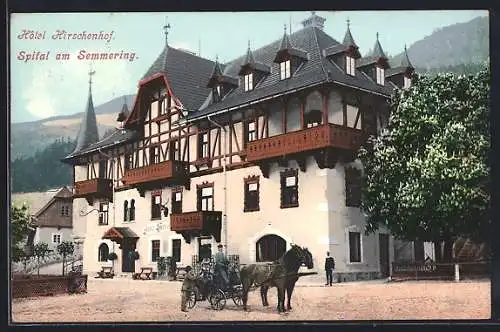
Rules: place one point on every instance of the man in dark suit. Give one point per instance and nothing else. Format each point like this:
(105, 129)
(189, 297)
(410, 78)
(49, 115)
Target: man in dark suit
(329, 266)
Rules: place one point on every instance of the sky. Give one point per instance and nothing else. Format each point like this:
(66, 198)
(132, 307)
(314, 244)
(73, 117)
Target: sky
(49, 87)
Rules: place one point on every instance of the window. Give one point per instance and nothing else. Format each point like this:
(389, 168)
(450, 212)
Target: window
(285, 69)
(251, 198)
(380, 76)
(103, 213)
(203, 146)
(176, 250)
(126, 215)
(352, 187)
(174, 150)
(103, 252)
(350, 64)
(205, 198)
(355, 247)
(407, 82)
(154, 155)
(313, 118)
(65, 211)
(56, 238)
(219, 91)
(177, 201)
(164, 106)
(155, 250)
(204, 248)
(270, 248)
(250, 131)
(128, 161)
(248, 82)
(156, 205)
(289, 189)
(352, 116)
(132, 210)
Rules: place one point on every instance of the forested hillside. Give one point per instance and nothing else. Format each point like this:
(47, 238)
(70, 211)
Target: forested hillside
(44, 170)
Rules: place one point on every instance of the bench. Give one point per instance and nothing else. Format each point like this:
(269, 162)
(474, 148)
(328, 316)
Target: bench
(145, 273)
(105, 273)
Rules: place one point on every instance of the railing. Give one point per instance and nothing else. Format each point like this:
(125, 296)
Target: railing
(323, 136)
(162, 171)
(197, 220)
(208, 263)
(411, 270)
(91, 187)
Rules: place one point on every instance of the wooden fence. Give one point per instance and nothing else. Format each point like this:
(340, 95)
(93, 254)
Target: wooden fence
(47, 285)
(440, 271)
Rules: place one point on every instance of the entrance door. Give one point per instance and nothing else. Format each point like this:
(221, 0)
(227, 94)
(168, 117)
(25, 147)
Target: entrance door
(383, 240)
(204, 248)
(270, 248)
(128, 259)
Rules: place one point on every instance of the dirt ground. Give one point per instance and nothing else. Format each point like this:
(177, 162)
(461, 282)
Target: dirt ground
(124, 300)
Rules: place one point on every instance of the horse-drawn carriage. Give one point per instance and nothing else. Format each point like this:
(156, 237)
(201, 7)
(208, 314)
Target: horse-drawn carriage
(210, 287)
(282, 274)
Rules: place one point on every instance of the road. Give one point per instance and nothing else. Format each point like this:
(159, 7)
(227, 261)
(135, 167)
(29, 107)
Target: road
(126, 300)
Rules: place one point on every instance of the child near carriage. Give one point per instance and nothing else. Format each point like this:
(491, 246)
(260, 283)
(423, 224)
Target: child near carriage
(188, 285)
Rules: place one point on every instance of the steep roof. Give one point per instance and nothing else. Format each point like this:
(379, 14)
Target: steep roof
(186, 73)
(120, 136)
(404, 68)
(316, 70)
(376, 55)
(39, 201)
(88, 132)
(124, 113)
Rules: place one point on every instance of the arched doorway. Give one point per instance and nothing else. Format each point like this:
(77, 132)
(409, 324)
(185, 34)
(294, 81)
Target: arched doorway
(270, 248)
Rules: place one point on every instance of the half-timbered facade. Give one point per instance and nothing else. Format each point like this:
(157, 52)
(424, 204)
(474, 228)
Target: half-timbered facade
(256, 154)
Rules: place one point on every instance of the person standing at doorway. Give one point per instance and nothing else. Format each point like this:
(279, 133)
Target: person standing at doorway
(329, 267)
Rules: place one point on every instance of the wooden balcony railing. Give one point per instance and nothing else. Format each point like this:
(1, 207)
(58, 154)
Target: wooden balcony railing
(162, 171)
(329, 135)
(94, 188)
(197, 220)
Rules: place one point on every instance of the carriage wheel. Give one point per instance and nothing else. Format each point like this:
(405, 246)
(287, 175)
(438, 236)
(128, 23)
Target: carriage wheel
(218, 300)
(238, 296)
(191, 300)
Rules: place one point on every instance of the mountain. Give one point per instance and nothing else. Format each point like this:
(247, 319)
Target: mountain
(457, 48)
(454, 45)
(28, 137)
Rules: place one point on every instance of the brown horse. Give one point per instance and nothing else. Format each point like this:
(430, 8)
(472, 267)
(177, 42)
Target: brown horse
(283, 275)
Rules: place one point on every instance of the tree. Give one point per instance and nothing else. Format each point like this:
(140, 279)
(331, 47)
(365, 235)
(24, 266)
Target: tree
(427, 177)
(21, 227)
(65, 249)
(40, 252)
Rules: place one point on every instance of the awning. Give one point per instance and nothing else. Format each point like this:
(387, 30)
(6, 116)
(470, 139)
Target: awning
(118, 234)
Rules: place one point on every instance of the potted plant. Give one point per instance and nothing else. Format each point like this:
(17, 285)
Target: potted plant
(112, 256)
(162, 267)
(136, 255)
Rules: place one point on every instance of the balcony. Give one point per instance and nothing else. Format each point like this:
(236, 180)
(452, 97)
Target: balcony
(197, 223)
(324, 136)
(165, 172)
(94, 188)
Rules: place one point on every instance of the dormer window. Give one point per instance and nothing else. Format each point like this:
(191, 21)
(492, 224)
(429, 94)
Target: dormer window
(406, 82)
(380, 76)
(350, 64)
(248, 82)
(285, 70)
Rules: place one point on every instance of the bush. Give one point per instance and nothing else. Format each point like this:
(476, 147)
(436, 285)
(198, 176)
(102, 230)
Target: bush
(162, 266)
(112, 256)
